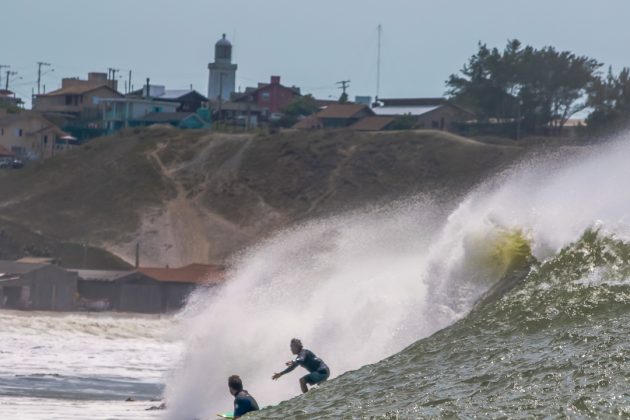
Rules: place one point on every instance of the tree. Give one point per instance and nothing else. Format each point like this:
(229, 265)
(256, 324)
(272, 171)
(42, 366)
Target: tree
(300, 107)
(533, 87)
(609, 99)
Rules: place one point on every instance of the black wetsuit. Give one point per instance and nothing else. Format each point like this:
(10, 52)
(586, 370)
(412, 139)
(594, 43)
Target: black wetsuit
(244, 403)
(319, 371)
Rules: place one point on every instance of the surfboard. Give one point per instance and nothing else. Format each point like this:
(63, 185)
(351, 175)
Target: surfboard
(226, 415)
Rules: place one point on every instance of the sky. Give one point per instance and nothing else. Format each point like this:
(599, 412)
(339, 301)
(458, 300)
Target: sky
(312, 44)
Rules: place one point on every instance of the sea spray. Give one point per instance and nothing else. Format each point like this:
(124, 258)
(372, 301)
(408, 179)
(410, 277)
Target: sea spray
(361, 287)
(350, 287)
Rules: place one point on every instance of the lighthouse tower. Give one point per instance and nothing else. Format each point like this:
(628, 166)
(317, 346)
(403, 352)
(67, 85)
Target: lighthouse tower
(222, 78)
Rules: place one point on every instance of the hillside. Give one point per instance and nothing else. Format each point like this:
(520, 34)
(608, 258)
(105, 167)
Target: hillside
(193, 196)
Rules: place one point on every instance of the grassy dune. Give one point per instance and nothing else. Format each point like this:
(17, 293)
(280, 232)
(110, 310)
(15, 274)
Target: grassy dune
(229, 189)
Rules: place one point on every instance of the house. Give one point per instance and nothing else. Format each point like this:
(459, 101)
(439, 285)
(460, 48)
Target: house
(145, 290)
(30, 286)
(185, 120)
(29, 135)
(434, 113)
(178, 283)
(118, 113)
(8, 98)
(188, 100)
(270, 97)
(78, 98)
(336, 116)
(243, 114)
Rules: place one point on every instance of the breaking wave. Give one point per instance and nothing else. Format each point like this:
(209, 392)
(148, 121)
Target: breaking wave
(374, 285)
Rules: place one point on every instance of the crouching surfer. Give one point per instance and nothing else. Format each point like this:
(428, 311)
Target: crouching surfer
(243, 402)
(318, 371)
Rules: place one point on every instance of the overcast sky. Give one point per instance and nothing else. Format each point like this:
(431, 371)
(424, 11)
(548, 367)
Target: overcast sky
(309, 44)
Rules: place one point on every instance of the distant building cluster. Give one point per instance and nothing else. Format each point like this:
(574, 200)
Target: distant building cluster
(82, 109)
(40, 284)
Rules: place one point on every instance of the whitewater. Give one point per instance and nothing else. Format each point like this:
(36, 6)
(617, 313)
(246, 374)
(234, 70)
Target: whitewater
(389, 297)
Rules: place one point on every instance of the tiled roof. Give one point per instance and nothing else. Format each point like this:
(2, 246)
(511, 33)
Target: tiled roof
(192, 273)
(342, 111)
(375, 123)
(77, 90)
(14, 267)
(308, 123)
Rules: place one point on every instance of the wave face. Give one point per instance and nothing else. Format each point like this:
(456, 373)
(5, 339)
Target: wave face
(363, 287)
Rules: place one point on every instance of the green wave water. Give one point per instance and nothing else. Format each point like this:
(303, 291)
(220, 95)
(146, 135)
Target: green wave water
(556, 344)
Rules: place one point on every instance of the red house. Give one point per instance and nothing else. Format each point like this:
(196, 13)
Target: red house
(271, 98)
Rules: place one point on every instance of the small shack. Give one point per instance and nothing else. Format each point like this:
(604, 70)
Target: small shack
(145, 290)
(32, 286)
(178, 283)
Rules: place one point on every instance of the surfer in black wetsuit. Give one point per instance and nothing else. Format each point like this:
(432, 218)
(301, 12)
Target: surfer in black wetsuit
(243, 402)
(318, 371)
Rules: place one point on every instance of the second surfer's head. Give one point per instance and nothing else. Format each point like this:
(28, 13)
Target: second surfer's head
(296, 345)
(235, 384)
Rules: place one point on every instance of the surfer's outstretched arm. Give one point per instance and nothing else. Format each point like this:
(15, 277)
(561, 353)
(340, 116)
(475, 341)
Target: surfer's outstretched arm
(290, 366)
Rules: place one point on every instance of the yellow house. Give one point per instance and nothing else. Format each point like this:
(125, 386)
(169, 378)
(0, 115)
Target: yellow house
(30, 136)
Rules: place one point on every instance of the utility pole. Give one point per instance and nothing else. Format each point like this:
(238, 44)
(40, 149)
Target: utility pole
(345, 84)
(9, 73)
(2, 66)
(113, 76)
(39, 74)
(129, 83)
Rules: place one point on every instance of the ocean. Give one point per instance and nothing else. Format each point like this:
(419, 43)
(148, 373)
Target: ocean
(511, 302)
(80, 366)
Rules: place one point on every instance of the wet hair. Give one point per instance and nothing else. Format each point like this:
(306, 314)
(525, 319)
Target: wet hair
(235, 383)
(297, 342)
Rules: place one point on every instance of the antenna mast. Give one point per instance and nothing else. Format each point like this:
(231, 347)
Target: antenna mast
(378, 65)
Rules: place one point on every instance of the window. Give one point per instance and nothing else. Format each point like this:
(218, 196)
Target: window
(157, 109)
(45, 139)
(435, 124)
(1, 131)
(18, 132)
(68, 99)
(265, 96)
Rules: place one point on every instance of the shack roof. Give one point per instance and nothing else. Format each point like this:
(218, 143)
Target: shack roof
(101, 275)
(192, 273)
(37, 260)
(14, 267)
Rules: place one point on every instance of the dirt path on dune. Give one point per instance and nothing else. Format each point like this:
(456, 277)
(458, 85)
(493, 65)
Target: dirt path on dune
(188, 232)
